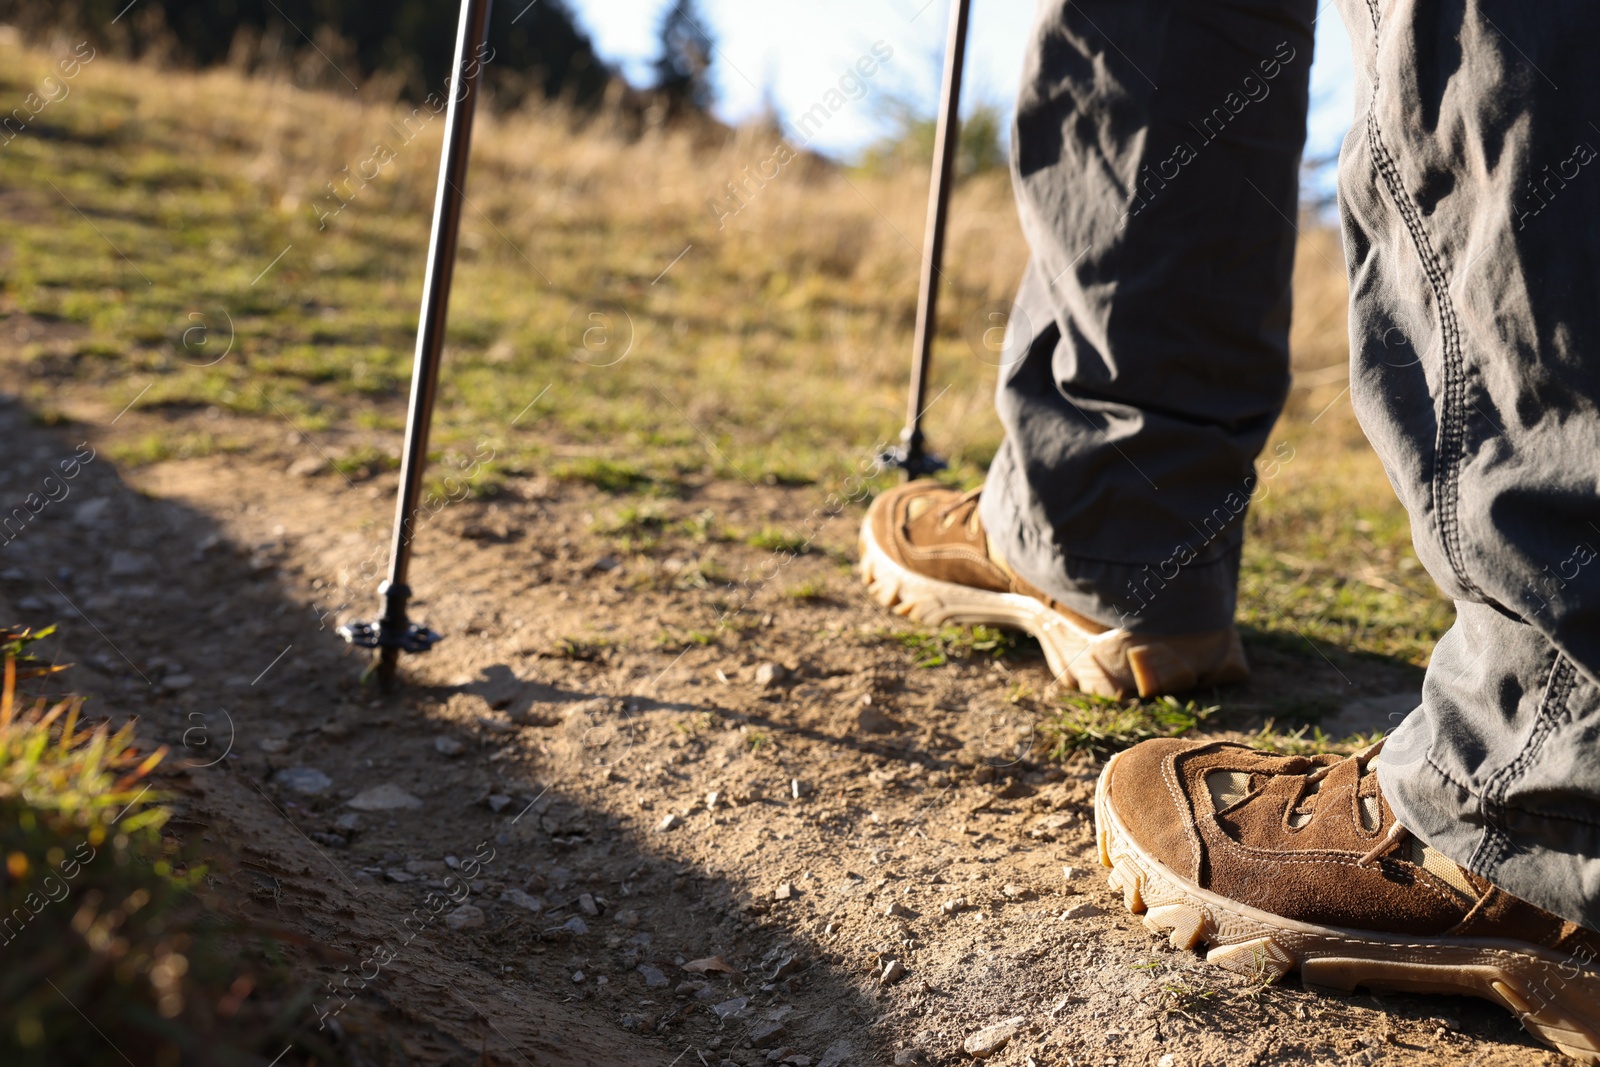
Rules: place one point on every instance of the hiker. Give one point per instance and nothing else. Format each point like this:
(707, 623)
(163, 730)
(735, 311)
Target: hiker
(1155, 162)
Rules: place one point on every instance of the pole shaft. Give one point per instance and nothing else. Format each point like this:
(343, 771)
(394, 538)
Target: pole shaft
(946, 139)
(466, 75)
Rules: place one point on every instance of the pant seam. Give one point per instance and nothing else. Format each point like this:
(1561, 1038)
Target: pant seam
(1450, 445)
(1492, 805)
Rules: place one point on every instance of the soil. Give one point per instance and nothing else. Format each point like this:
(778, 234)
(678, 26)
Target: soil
(789, 796)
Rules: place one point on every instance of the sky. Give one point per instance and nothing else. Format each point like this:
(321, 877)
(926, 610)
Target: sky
(793, 51)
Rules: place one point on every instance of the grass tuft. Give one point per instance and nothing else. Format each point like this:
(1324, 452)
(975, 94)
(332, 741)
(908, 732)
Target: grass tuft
(1102, 727)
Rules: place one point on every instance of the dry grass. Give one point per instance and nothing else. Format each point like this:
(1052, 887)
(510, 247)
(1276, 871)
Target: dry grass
(766, 345)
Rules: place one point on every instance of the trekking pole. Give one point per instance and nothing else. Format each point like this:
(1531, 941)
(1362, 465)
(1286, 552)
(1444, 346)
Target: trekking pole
(912, 455)
(394, 633)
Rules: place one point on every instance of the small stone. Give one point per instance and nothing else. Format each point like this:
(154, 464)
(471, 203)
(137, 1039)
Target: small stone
(127, 565)
(785, 891)
(575, 926)
(1169, 1060)
(587, 905)
(176, 682)
(385, 797)
(653, 978)
(909, 1057)
(465, 917)
(950, 907)
(690, 988)
(349, 823)
(91, 512)
(522, 900)
(329, 840)
(497, 802)
(1081, 910)
(893, 971)
(671, 822)
(873, 720)
(897, 910)
(1017, 892)
(306, 466)
(448, 746)
(397, 874)
(304, 780)
(765, 1035)
(729, 1008)
(770, 675)
(1070, 873)
(796, 790)
(992, 1039)
(577, 977)
(711, 800)
(627, 917)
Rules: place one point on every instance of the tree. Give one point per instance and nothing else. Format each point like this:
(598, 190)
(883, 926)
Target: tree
(684, 64)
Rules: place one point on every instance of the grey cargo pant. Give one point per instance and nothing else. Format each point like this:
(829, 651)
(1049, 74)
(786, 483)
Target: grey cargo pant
(1155, 159)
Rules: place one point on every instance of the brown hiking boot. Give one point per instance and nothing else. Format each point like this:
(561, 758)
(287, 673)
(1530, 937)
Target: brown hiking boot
(924, 555)
(1284, 862)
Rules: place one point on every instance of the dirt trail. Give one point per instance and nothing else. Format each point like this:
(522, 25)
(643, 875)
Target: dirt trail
(788, 797)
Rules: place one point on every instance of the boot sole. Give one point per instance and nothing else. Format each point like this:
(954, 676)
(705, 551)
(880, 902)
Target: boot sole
(935, 603)
(1555, 998)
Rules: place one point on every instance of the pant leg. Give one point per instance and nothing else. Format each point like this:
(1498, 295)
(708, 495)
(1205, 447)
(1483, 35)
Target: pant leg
(1470, 195)
(1156, 158)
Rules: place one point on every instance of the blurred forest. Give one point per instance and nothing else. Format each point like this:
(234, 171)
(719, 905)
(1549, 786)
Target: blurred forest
(538, 48)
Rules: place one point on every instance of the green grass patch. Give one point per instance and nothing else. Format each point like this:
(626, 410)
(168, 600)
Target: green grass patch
(1100, 726)
(949, 644)
(772, 539)
(610, 475)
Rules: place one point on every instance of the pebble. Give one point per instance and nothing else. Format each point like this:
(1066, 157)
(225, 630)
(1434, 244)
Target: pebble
(587, 905)
(671, 822)
(872, 720)
(1081, 910)
(306, 780)
(465, 917)
(729, 1008)
(909, 1057)
(448, 746)
(497, 802)
(626, 917)
(653, 978)
(1169, 1060)
(575, 926)
(769, 675)
(893, 971)
(897, 910)
(785, 891)
(577, 977)
(349, 823)
(522, 900)
(1017, 892)
(176, 682)
(950, 907)
(385, 797)
(767, 1034)
(992, 1039)
(796, 790)
(1070, 873)
(90, 512)
(127, 565)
